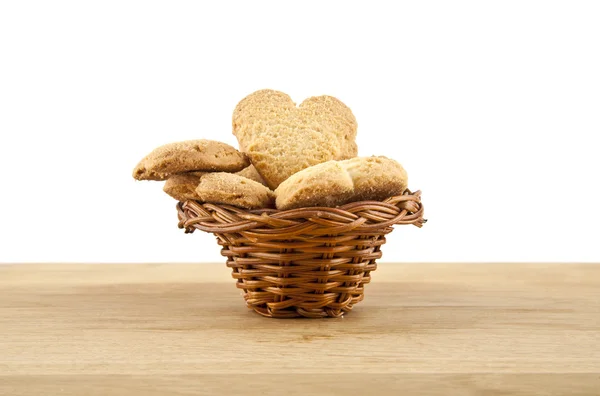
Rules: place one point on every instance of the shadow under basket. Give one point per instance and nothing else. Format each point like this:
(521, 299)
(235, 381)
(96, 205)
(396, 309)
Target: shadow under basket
(306, 262)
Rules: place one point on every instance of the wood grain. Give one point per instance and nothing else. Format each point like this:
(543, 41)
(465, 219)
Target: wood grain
(182, 329)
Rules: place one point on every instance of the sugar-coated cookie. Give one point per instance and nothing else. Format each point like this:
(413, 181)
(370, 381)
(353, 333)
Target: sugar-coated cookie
(249, 172)
(189, 155)
(182, 186)
(336, 183)
(325, 184)
(375, 178)
(252, 174)
(282, 139)
(232, 189)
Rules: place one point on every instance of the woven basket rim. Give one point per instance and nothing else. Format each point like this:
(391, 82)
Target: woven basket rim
(360, 216)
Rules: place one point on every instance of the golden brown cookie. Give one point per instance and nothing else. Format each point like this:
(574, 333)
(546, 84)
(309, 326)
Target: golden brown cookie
(325, 184)
(336, 183)
(232, 189)
(267, 103)
(189, 155)
(375, 178)
(252, 174)
(282, 139)
(182, 187)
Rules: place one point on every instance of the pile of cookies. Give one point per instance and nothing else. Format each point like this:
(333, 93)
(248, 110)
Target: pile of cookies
(290, 157)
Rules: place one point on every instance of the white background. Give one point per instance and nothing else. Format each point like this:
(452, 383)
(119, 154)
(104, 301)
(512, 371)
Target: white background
(492, 107)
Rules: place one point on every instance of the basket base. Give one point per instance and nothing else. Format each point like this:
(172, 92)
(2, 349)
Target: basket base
(297, 312)
(291, 292)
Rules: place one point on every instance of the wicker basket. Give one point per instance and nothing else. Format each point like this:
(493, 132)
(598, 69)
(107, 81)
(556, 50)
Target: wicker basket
(307, 262)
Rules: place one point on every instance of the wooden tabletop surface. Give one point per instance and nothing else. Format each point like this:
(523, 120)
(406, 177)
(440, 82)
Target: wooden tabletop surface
(183, 329)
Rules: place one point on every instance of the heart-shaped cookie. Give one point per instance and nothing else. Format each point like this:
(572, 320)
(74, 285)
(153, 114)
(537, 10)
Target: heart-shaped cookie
(282, 139)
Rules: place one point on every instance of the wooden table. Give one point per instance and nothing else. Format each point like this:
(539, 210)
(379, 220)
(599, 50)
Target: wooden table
(426, 329)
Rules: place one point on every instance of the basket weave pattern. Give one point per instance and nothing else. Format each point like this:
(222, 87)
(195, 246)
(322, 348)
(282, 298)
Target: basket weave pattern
(307, 262)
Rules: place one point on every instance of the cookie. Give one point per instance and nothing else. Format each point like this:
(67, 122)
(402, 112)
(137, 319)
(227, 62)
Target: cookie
(232, 189)
(325, 184)
(252, 174)
(282, 139)
(375, 178)
(249, 172)
(198, 174)
(336, 183)
(182, 187)
(267, 103)
(189, 155)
